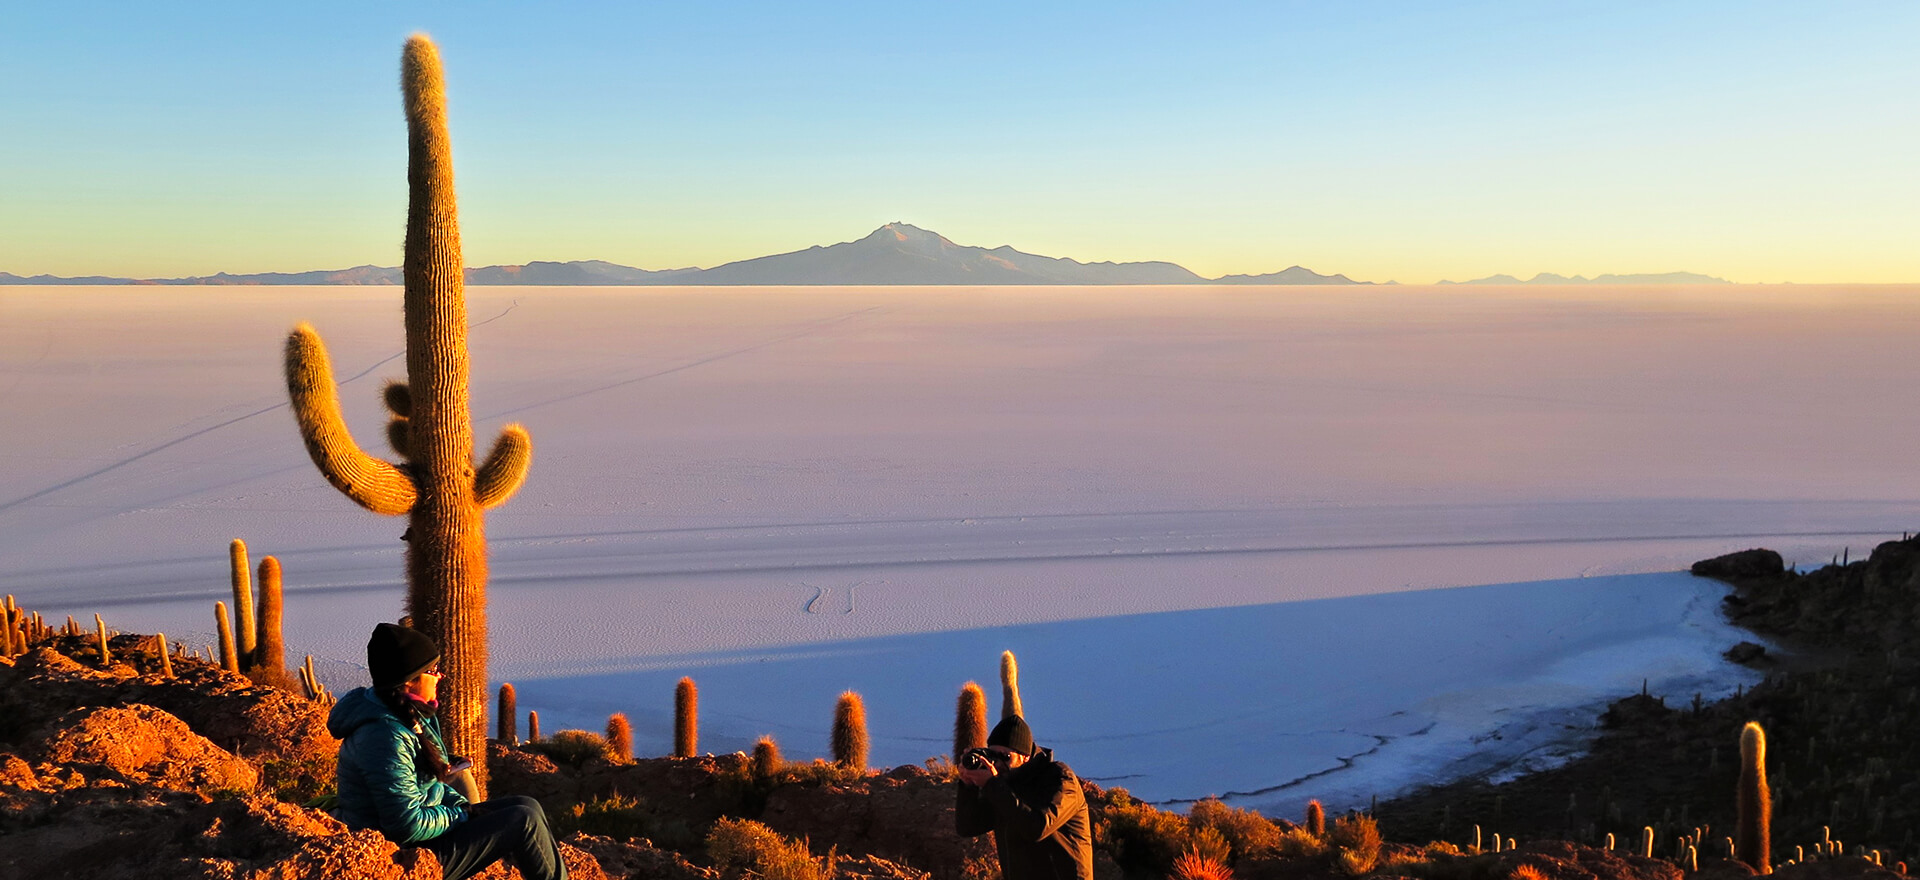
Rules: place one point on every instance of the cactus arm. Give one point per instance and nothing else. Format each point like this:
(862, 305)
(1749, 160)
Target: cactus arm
(372, 483)
(505, 468)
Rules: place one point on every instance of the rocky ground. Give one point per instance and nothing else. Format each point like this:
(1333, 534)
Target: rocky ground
(112, 770)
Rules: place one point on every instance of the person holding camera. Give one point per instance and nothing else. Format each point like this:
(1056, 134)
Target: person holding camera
(1033, 805)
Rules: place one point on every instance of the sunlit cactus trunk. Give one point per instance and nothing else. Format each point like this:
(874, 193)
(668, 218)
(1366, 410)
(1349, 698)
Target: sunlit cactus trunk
(229, 658)
(850, 732)
(1010, 687)
(686, 718)
(507, 717)
(243, 621)
(439, 487)
(969, 720)
(268, 659)
(1754, 825)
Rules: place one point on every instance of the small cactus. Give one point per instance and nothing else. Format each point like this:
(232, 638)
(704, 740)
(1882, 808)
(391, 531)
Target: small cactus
(268, 660)
(969, 720)
(1753, 829)
(766, 758)
(850, 732)
(1317, 822)
(1646, 842)
(100, 629)
(243, 621)
(686, 718)
(229, 659)
(507, 719)
(533, 727)
(166, 661)
(619, 738)
(1009, 686)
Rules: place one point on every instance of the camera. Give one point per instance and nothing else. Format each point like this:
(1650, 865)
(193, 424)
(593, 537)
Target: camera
(982, 759)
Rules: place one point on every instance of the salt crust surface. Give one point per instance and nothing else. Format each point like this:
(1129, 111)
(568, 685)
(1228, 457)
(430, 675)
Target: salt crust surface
(1274, 543)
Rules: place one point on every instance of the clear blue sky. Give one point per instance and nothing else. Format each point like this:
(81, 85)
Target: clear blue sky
(1411, 141)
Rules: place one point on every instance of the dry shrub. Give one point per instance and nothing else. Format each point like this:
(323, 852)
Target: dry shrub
(575, 747)
(745, 848)
(1527, 872)
(1191, 865)
(1298, 843)
(1357, 838)
(1147, 841)
(1249, 834)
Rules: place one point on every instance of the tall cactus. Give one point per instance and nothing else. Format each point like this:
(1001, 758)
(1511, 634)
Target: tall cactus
(1755, 802)
(507, 717)
(849, 738)
(243, 621)
(969, 720)
(686, 718)
(268, 659)
(1009, 686)
(229, 658)
(438, 487)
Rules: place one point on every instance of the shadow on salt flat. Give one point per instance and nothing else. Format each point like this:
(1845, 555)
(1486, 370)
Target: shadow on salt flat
(1340, 699)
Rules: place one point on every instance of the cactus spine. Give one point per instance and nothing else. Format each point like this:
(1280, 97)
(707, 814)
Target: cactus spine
(1009, 686)
(969, 720)
(243, 621)
(620, 738)
(686, 718)
(507, 717)
(268, 660)
(850, 732)
(440, 489)
(1754, 829)
(229, 659)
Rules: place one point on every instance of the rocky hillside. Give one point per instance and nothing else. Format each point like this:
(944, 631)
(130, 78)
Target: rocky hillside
(1840, 702)
(117, 769)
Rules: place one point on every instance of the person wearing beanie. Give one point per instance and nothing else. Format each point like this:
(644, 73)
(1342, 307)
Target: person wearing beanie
(394, 773)
(1033, 805)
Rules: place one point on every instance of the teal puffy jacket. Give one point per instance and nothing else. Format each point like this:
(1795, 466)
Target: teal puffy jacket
(380, 785)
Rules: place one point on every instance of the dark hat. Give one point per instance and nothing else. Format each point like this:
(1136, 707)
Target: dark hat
(1012, 732)
(396, 654)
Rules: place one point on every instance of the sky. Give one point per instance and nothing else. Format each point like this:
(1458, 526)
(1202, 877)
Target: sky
(1756, 141)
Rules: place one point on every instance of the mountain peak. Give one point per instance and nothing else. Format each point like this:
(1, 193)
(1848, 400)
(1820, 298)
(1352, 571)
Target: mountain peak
(906, 233)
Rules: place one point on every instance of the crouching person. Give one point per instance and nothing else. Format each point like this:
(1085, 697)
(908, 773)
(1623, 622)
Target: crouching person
(394, 773)
(1033, 805)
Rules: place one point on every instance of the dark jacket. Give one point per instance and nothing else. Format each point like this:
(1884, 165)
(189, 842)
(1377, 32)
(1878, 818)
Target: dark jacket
(380, 784)
(1038, 816)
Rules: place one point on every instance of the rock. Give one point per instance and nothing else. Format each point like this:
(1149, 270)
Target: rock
(1748, 654)
(1755, 563)
(141, 745)
(580, 866)
(636, 858)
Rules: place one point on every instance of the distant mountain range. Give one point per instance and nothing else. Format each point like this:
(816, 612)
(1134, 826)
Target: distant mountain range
(1550, 278)
(897, 253)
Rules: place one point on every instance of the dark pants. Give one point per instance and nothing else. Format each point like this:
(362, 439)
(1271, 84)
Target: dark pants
(511, 828)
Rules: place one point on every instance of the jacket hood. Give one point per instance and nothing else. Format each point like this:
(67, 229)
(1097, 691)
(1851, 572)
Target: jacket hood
(358, 708)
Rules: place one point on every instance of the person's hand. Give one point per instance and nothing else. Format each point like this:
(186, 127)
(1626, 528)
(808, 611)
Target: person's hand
(977, 778)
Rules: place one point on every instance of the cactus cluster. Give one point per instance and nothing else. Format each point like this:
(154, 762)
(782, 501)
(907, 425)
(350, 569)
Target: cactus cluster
(21, 629)
(252, 641)
(438, 485)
